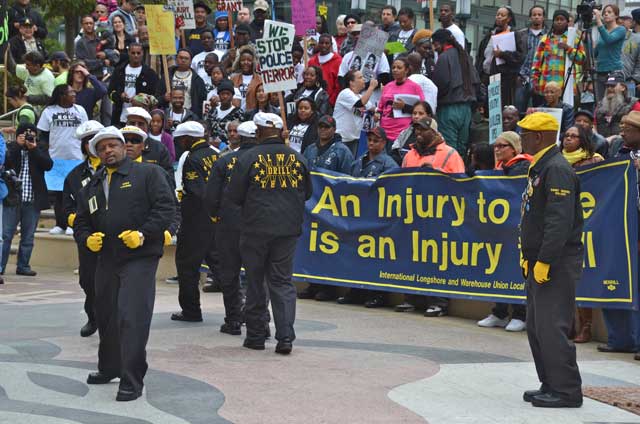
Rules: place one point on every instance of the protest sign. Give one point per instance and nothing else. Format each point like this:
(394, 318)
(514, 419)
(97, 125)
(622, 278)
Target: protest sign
(229, 5)
(184, 9)
(61, 168)
(161, 26)
(274, 54)
(369, 49)
(495, 108)
(424, 232)
(303, 16)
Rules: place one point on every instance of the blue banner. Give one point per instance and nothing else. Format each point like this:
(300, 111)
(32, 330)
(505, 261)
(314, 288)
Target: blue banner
(423, 232)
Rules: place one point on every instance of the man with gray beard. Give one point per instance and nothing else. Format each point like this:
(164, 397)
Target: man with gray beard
(614, 105)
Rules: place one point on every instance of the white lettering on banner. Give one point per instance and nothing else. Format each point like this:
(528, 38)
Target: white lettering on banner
(274, 56)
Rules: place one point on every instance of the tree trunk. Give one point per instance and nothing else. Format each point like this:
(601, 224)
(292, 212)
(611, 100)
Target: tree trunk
(71, 30)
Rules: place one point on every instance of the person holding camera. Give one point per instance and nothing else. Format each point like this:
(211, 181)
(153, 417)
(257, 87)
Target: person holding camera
(608, 51)
(28, 158)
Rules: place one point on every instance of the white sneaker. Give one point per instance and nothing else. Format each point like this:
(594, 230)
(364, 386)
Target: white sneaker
(493, 321)
(69, 231)
(56, 231)
(516, 325)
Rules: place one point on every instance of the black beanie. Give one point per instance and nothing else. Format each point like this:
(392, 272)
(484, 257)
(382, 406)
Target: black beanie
(24, 127)
(561, 12)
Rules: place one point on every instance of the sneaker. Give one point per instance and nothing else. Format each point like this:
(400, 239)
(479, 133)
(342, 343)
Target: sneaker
(493, 321)
(69, 231)
(172, 280)
(516, 325)
(56, 231)
(435, 311)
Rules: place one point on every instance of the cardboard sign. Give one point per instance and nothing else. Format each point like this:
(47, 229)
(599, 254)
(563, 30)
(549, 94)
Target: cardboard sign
(303, 16)
(495, 108)
(161, 25)
(274, 54)
(370, 47)
(184, 9)
(229, 5)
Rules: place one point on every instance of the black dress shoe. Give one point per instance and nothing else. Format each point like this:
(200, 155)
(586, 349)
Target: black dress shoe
(253, 344)
(211, 288)
(99, 378)
(308, 293)
(376, 302)
(284, 346)
(27, 272)
(125, 395)
(530, 394)
(231, 327)
(551, 400)
(88, 329)
(609, 349)
(179, 316)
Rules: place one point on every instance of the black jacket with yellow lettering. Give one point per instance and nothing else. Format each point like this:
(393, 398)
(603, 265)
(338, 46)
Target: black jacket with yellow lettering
(551, 225)
(78, 178)
(271, 182)
(140, 199)
(227, 213)
(195, 174)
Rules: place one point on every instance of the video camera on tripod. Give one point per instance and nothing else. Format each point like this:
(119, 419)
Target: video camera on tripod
(585, 11)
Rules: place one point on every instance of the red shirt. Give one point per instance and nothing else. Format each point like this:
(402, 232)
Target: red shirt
(329, 74)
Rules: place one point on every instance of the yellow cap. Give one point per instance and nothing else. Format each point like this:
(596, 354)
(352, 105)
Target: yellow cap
(539, 121)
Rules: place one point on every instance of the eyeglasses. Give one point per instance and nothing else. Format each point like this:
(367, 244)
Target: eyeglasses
(133, 140)
(497, 146)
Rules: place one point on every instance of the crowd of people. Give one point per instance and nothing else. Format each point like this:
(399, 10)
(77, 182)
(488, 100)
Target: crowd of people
(345, 116)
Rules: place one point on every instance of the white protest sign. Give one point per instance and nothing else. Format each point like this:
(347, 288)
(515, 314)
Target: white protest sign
(275, 58)
(184, 9)
(556, 113)
(368, 51)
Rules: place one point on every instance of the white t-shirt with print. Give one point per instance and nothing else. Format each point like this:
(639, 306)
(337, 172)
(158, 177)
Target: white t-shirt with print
(131, 74)
(296, 135)
(183, 80)
(244, 87)
(61, 124)
(349, 120)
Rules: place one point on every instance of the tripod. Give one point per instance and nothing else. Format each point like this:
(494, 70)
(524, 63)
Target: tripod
(588, 69)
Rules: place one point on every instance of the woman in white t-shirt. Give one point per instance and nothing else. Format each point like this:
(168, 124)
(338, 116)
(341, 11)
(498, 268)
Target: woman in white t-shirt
(245, 77)
(351, 106)
(303, 125)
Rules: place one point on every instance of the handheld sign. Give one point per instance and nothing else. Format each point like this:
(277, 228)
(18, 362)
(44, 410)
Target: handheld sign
(369, 50)
(495, 108)
(162, 36)
(303, 16)
(229, 5)
(185, 10)
(276, 61)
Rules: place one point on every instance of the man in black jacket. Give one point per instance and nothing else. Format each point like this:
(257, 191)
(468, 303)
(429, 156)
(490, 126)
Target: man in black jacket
(130, 79)
(552, 256)
(227, 216)
(29, 159)
(73, 183)
(182, 76)
(154, 151)
(122, 215)
(271, 182)
(196, 236)
(21, 10)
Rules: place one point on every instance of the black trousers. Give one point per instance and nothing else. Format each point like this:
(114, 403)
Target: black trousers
(228, 247)
(87, 276)
(125, 294)
(550, 313)
(58, 209)
(196, 243)
(269, 260)
(501, 310)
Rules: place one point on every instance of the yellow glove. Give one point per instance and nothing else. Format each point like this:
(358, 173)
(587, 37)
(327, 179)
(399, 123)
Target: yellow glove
(524, 264)
(541, 272)
(131, 239)
(167, 238)
(94, 242)
(71, 219)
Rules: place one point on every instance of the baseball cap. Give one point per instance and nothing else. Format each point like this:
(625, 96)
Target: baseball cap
(615, 79)
(268, 120)
(427, 123)
(539, 121)
(226, 85)
(26, 21)
(244, 28)
(88, 128)
(133, 130)
(189, 128)
(327, 120)
(61, 56)
(380, 132)
(261, 5)
(632, 118)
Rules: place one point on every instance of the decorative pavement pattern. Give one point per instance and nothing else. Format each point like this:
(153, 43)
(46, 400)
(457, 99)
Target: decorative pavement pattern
(349, 365)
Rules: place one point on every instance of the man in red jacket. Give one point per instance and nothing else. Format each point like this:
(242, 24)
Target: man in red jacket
(329, 62)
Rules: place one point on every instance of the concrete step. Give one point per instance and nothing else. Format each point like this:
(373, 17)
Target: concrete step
(60, 251)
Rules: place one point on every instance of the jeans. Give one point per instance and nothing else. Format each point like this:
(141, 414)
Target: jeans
(27, 215)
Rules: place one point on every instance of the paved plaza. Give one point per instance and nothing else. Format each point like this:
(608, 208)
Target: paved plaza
(349, 365)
